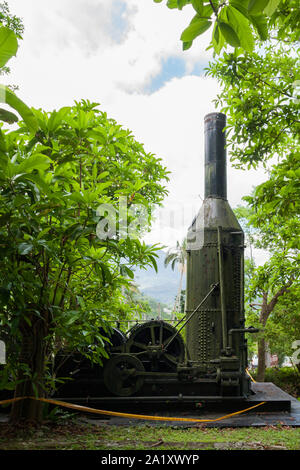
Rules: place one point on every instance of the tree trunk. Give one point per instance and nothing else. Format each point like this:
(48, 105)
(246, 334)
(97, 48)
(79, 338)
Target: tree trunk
(266, 310)
(31, 372)
(261, 368)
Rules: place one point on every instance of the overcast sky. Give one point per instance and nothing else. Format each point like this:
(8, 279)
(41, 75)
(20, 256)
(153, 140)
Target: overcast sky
(127, 56)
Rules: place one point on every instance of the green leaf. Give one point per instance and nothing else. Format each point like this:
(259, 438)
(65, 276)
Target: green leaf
(37, 161)
(198, 6)
(271, 7)
(3, 146)
(128, 271)
(56, 118)
(40, 182)
(182, 3)
(229, 34)
(97, 135)
(7, 96)
(241, 5)
(43, 232)
(217, 39)
(8, 45)
(207, 11)
(172, 4)
(261, 26)
(241, 26)
(105, 272)
(195, 29)
(154, 263)
(7, 116)
(186, 45)
(25, 248)
(257, 6)
(34, 162)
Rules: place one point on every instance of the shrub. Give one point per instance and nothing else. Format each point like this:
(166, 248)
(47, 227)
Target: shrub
(286, 378)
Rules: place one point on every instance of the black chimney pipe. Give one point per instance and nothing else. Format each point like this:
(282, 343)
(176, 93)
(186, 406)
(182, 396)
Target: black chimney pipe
(215, 156)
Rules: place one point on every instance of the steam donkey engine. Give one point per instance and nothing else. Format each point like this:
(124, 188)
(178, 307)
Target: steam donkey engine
(153, 359)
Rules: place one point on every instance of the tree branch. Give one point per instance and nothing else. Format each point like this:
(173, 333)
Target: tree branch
(213, 7)
(280, 292)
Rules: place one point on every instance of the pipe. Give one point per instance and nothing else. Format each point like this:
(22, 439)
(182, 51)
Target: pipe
(222, 290)
(251, 329)
(215, 156)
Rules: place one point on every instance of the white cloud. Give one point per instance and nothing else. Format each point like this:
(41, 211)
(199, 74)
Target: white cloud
(59, 33)
(170, 123)
(84, 24)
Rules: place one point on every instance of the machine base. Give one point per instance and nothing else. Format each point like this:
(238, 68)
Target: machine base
(275, 400)
(281, 409)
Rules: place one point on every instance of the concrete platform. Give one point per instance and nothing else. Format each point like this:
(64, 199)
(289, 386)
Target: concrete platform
(275, 398)
(254, 418)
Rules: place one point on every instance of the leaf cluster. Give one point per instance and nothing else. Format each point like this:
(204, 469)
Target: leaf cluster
(258, 97)
(11, 29)
(238, 23)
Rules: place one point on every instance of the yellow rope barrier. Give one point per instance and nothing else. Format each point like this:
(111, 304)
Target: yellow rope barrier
(87, 409)
(247, 371)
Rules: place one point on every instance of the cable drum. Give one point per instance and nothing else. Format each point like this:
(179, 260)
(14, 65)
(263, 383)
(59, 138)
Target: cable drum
(149, 342)
(116, 339)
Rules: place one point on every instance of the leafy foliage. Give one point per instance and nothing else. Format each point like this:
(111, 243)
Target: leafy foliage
(263, 122)
(238, 23)
(55, 270)
(272, 290)
(259, 99)
(8, 45)
(277, 200)
(286, 378)
(11, 21)
(11, 29)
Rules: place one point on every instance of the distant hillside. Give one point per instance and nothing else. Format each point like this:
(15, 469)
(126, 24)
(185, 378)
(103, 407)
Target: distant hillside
(163, 285)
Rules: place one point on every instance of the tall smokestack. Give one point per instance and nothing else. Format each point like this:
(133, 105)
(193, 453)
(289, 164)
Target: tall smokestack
(215, 260)
(215, 156)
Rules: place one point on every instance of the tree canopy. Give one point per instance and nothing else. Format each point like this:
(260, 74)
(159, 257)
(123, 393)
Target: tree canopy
(56, 272)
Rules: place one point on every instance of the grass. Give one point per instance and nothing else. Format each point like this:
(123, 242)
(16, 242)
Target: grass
(75, 434)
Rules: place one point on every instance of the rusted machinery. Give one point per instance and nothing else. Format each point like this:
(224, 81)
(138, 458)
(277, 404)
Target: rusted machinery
(153, 360)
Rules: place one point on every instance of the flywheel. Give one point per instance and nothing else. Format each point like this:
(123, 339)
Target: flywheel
(121, 375)
(150, 341)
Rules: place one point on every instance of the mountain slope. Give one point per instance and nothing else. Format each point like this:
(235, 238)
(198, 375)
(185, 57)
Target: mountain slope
(163, 285)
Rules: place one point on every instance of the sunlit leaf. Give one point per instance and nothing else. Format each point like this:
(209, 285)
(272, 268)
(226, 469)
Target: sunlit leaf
(195, 29)
(8, 45)
(257, 6)
(7, 116)
(9, 97)
(229, 34)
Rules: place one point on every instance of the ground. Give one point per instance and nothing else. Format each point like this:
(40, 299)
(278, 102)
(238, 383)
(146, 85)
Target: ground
(75, 433)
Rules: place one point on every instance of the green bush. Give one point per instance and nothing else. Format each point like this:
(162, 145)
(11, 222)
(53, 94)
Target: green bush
(286, 378)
